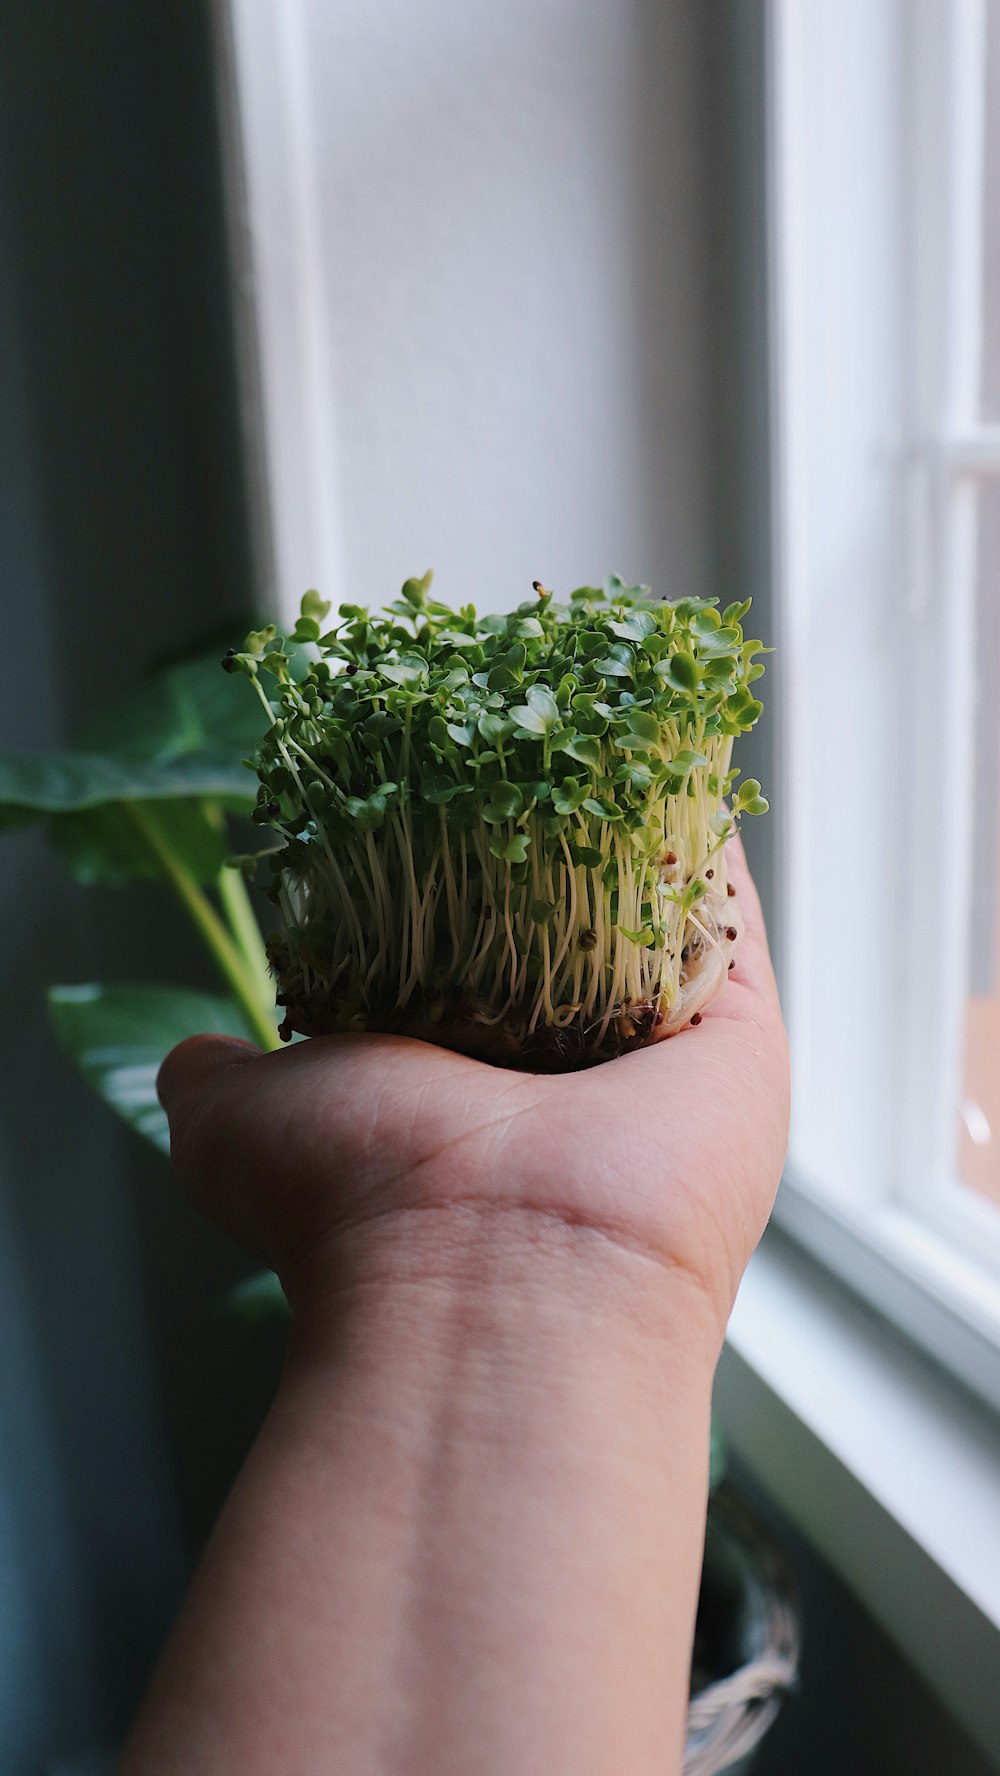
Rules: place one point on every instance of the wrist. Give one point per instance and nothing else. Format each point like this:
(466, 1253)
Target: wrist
(527, 1408)
(421, 1274)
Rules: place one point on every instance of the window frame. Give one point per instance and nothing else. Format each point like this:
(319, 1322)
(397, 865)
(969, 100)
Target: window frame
(905, 1234)
(275, 214)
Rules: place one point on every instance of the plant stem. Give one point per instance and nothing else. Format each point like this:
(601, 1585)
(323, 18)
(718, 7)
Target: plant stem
(228, 958)
(237, 906)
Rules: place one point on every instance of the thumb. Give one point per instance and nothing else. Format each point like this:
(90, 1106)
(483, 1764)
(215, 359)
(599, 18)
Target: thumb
(191, 1085)
(190, 1070)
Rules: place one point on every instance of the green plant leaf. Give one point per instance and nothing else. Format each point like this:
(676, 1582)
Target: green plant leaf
(35, 784)
(257, 641)
(512, 850)
(586, 856)
(602, 807)
(568, 796)
(118, 1036)
(717, 1457)
(582, 747)
(306, 629)
(616, 590)
(314, 606)
(543, 911)
(734, 613)
(102, 845)
(529, 720)
(544, 705)
(616, 663)
(380, 724)
(257, 1298)
(635, 627)
(681, 671)
(748, 799)
(493, 727)
(505, 803)
(192, 707)
(438, 787)
(415, 590)
(641, 729)
(83, 801)
(410, 671)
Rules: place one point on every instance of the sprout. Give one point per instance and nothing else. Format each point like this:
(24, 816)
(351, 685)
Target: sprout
(505, 833)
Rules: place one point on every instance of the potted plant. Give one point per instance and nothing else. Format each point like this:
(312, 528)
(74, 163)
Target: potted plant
(504, 833)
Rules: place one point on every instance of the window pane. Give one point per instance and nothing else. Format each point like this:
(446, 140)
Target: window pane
(991, 221)
(979, 1118)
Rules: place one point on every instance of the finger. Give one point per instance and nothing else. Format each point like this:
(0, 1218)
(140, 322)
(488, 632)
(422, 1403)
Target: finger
(189, 1069)
(190, 1081)
(753, 958)
(195, 1087)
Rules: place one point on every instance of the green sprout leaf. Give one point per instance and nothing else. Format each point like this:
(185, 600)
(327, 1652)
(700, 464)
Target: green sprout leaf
(543, 911)
(618, 662)
(410, 671)
(586, 856)
(602, 807)
(505, 803)
(437, 787)
(569, 795)
(258, 639)
(541, 712)
(681, 671)
(512, 850)
(415, 591)
(493, 728)
(641, 729)
(748, 798)
(315, 607)
(584, 748)
(636, 626)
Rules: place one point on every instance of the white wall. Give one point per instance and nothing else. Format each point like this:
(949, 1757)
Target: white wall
(481, 258)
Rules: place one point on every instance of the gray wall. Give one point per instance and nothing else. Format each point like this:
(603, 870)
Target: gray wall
(489, 248)
(121, 538)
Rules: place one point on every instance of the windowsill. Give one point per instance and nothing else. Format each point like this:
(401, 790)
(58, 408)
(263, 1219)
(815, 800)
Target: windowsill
(887, 1466)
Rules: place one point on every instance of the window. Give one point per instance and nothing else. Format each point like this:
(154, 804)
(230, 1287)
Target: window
(886, 259)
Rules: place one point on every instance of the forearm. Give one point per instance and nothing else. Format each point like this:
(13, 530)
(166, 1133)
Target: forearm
(469, 1535)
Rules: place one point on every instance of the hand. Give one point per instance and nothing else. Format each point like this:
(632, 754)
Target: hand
(469, 1534)
(674, 1152)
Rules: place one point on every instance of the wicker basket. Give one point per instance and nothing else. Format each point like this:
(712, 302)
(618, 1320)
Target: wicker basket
(746, 1640)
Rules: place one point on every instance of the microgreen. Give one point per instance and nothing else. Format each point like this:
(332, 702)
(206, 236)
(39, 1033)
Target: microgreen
(511, 821)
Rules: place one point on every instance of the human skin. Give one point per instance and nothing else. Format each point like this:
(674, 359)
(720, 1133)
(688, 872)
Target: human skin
(469, 1536)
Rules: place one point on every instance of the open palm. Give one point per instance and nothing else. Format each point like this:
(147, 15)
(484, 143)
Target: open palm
(674, 1151)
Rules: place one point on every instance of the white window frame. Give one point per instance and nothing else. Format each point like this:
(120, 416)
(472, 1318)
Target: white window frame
(903, 471)
(262, 49)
